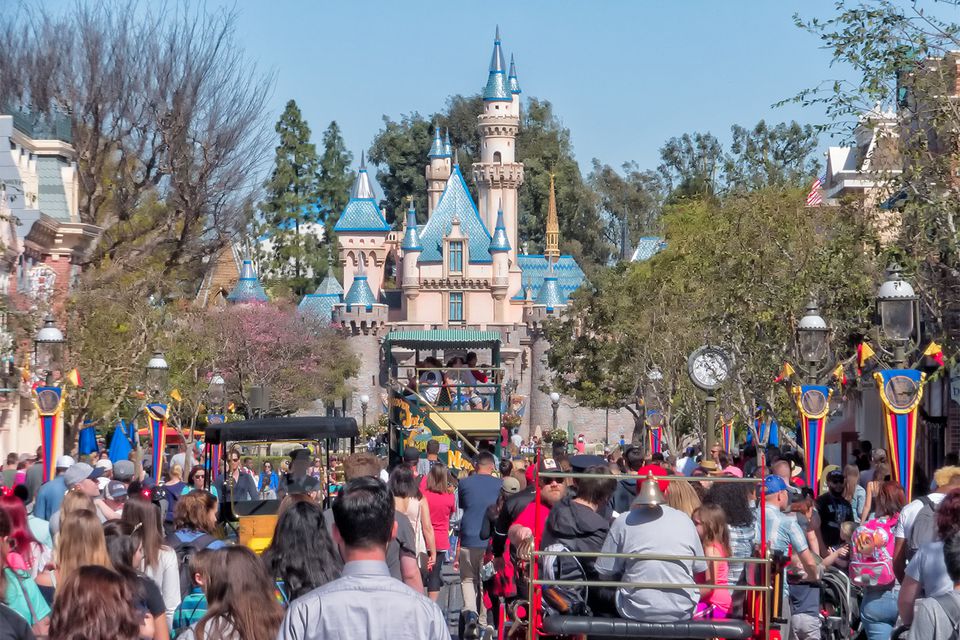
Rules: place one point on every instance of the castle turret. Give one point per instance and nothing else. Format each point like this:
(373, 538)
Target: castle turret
(497, 173)
(411, 247)
(438, 169)
(514, 83)
(360, 312)
(552, 249)
(500, 254)
(319, 304)
(248, 289)
(447, 147)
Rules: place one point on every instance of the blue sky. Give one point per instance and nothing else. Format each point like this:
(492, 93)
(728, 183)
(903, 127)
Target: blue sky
(623, 76)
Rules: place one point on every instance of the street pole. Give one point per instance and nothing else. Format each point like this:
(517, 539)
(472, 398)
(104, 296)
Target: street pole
(710, 404)
(899, 355)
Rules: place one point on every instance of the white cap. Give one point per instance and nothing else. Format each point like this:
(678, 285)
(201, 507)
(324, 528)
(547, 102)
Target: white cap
(65, 462)
(105, 464)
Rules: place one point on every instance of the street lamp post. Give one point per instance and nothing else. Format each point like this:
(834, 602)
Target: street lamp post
(364, 402)
(48, 398)
(555, 402)
(157, 375)
(813, 339)
(899, 313)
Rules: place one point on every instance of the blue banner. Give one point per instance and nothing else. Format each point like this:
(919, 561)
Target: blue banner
(87, 441)
(121, 443)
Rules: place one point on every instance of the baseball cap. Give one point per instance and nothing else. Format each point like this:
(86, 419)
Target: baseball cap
(774, 484)
(656, 470)
(104, 464)
(510, 485)
(116, 490)
(123, 470)
(835, 474)
(411, 454)
(65, 462)
(80, 472)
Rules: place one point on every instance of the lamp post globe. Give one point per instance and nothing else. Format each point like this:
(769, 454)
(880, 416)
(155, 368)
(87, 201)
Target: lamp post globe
(48, 348)
(812, 335)
(555, 402)
(158, 372)
(216, 390)
(897, 306)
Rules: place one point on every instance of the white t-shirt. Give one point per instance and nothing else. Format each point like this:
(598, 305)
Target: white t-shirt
(910, 512)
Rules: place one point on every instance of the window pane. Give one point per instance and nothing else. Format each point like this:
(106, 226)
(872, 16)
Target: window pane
(456, 256)
(456, 307)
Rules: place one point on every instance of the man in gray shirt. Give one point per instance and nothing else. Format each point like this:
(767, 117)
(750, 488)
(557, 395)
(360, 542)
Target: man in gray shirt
(364, 602)
(653, 529)
(938, 618)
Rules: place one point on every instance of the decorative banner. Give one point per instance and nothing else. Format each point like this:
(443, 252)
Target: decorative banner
(49, 404)
(656, 440)
(769, 433)
(726, 435)
(157, 417)
(213, 451)
(813, 401)
(121, 444)
(87, 441)
(900, 392)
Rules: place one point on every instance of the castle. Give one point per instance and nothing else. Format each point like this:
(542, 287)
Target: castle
(461, 269)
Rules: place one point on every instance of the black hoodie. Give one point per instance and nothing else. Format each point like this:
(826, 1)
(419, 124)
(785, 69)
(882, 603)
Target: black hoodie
(625, 492)
(578, 528)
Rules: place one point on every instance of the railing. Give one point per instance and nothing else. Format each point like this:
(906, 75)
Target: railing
(456, 394)
(426, 403)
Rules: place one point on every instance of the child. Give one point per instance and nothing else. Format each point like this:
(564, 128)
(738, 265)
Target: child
(839, 556)
(711, 524)
(194, 605)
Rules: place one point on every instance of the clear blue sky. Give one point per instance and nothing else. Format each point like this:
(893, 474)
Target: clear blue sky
(623, 76)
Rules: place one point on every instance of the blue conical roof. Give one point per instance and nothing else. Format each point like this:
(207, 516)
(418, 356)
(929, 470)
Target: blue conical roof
(411, 237)
(437, 150)
(455, 202)
(499, 243)
(329, 285)
(320, 303)
(361, 212)
(360, 293)
(512, 77)
(497, 87)
(447, 147)
(549, 295)
(248, 289)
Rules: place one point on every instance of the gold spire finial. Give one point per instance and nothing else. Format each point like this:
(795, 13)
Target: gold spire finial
(552, 250)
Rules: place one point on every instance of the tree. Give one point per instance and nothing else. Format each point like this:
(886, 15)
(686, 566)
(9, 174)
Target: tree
(690, 165)
(335, 180)
(400, 150)
(631, 203)
(291, 212)
(780, 156)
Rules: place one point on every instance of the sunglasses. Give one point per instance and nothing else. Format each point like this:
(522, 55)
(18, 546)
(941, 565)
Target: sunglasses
(548, 481)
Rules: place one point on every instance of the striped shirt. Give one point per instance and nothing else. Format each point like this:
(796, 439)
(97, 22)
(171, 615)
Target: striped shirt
(193, 607)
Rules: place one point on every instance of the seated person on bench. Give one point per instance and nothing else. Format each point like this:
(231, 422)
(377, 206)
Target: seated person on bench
(299, 480)
(653, 527)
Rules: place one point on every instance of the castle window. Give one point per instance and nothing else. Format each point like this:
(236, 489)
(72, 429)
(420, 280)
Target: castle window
(456, 257)
(497, 157)
(456, 306)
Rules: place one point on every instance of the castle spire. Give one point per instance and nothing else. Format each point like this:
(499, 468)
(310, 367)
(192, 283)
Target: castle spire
(552, 251)
(500, 243)
(411, 237)
(497, 86)
(437, 150)
(362, 189)
(512, 77)
(447, 147)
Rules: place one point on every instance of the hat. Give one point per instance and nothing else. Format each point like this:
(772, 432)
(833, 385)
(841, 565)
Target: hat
(116, 490)
(411, 454)
(510, 485)
(736, 472)
(649, 494)
(104, 464)
(123, 470)
(773, 484)
(80, 472)
(795, 469)
(710, 466)
(65, 462)
(583, 462)
(299, 454)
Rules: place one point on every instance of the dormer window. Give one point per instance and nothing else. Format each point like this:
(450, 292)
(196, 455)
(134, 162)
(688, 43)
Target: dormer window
(455, 257)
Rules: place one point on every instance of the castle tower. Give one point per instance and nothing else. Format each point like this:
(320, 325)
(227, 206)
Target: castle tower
(438, 169)
(497, 174)
(499, 253)
(411, 247)
(248, 289)
(552, 250)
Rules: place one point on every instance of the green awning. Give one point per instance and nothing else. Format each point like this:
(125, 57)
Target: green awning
(440, 338)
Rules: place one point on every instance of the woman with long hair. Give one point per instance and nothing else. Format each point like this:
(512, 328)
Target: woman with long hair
(18, 591)
(94, 604)
(715, 600)
(195, 482)
(240, 601)
(683, 497)
(195, 517)
(159, 560)
(408, 500)
(125, 546)
(302, 556)
(853, 492)
(73, 500)
(440, 500)
(28, 554)
(871, 562)
(734, 499)
(80, 543)
(268, 482)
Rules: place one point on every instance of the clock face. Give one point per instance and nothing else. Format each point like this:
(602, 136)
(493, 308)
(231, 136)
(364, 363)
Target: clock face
(708, 368)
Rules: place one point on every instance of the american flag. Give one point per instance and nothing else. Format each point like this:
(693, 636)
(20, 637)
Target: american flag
(815, 197)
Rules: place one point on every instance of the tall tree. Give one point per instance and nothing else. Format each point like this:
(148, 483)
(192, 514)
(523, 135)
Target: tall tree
(630, 202)
(780, 156)
(691, 164)
(291, 211)
(336, 178)
(400, 152)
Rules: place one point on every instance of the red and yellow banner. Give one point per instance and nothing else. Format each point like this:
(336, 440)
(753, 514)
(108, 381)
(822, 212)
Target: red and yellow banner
(900, 393)
(726, 436)
(49, 404)
(157, 417)
(656, 440)
(813, 401)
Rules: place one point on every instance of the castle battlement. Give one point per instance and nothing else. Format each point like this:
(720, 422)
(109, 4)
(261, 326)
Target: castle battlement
(506, 175)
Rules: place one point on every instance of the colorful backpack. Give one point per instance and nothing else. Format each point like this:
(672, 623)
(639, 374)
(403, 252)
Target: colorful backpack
(871, 553)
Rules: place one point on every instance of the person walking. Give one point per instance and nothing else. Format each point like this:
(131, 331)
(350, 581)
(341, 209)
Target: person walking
(50, 494)
(476, 494)
(94, 603)
(159, 560)
(410, 502)
(938, 618)
(442, 503)
(302, 556)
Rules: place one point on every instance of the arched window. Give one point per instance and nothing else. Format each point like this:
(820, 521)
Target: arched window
(497, 157)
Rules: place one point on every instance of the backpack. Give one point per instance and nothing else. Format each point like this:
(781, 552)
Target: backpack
(924, 527)
(948, 602)
(871, 553)
(569, 601)
(185, 552)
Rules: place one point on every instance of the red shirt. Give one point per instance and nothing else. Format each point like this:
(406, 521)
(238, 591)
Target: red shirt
(441, 508)
(528, 517)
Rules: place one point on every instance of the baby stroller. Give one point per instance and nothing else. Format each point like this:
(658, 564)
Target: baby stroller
(839, 606)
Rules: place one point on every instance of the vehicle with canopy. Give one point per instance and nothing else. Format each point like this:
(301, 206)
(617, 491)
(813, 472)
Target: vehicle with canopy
(437, 394)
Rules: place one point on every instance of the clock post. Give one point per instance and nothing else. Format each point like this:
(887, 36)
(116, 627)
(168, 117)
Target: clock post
(710, 433)
(708, 368)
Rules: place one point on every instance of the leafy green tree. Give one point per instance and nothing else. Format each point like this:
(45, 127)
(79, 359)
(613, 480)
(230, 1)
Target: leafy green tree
(630, 202)
(400, 152)
(334, 182)
(290, 213)
(780, 156)
(691, 164)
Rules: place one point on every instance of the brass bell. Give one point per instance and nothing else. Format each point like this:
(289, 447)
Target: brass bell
(649, 494)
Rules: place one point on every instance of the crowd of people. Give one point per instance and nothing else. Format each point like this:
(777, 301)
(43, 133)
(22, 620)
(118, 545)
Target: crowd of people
(105, 551)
